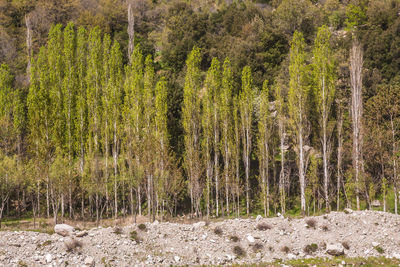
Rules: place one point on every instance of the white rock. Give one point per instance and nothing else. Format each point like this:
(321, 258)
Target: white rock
(63, 229)
(199, 224)
(89, 261)
(335, 249)
(250, 238)
(259, 217)
(177, 258)
(81, 234)
(156, 222)
(375, 244)
(291, 256)
(49, 258)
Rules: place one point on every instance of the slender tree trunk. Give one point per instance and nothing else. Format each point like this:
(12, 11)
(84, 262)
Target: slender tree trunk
(282, 172)
(339, 154)
(301, 171)
(356, 63)
(131, 31)
(394, 152)
(28, 46)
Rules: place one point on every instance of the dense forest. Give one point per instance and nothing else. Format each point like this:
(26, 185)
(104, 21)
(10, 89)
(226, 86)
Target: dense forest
(215, 108)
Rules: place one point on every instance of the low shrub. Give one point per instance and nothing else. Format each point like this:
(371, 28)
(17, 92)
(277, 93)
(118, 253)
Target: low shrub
(346, 245)
(142, 227)
(218, 230)
(257, 247)
(72, 244)
(117, 230)
(311, 223)
(239, 251)
(379, 249)
(309, 249)
(234, 238)
(135, 237)
(285, 249)
(263, 226)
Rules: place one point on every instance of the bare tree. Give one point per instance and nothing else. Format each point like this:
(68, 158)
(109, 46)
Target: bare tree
(28, 46)
(131, 30)
(356, 64)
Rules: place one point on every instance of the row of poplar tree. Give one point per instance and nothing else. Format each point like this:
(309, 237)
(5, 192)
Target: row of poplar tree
(91, 135)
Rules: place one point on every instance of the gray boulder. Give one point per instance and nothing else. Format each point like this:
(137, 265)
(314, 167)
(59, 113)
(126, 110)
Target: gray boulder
(335, 249)
(64, 229)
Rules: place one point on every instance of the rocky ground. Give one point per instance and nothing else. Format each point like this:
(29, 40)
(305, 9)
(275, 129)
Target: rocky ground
(354, 234)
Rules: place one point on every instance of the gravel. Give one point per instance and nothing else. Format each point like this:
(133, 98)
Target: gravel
(165, 244)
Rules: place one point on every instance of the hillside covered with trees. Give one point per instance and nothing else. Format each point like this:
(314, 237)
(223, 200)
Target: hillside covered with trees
(215, 108)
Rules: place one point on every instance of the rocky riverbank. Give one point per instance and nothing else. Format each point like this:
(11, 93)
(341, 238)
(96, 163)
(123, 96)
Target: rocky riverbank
(352, 234)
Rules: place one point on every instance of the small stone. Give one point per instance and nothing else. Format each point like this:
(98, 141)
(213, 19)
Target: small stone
(259, 217)
(250, 238)
(81, 234)
(177, 259)
(156, 222)
(291, 256)
(375, 244)
(49, 258)
(89, 261)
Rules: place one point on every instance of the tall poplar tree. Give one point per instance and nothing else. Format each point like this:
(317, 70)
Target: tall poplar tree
(81, 119)
(264, 133)
(132, 124)
(246, 99)
(281, 120)
(226, 125)
(148, 131)
(191, 121)
(324, 93)
(94, 94)
(297, 96)
(69, 91)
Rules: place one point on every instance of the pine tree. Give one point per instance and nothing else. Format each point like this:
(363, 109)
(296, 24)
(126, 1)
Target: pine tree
(324, 93)
(246, 99)
(297, 106)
